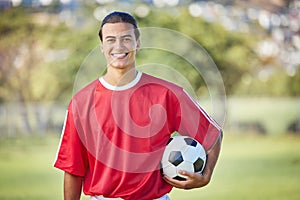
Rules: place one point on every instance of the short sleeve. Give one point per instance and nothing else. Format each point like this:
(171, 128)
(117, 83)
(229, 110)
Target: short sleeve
(71, 155)
(196, 123)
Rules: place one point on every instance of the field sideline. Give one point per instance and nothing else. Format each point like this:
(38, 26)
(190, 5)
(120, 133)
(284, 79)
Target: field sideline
(250, 167)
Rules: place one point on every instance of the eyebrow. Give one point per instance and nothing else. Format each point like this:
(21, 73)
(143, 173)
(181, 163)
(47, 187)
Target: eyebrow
(110, 37)
(123, 36)
(113, 37)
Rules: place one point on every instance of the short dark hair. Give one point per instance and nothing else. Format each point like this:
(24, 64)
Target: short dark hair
(117, 17)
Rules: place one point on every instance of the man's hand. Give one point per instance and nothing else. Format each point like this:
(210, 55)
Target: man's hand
(194, 180)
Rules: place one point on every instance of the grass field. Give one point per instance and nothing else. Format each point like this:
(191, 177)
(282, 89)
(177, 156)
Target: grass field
(274, 114)
(250, 167)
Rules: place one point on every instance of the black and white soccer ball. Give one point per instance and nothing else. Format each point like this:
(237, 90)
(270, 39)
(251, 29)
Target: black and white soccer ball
(183, 153)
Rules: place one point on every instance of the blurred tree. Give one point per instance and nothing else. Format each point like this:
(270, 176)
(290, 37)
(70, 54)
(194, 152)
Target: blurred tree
(40, 55)
(38, 51)
(39, 59)
(232, 51)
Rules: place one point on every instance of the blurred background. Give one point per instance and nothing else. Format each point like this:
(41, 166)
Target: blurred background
(254, 44)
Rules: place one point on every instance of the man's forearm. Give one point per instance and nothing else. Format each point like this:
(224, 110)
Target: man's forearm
(212, 158)
(72, 187)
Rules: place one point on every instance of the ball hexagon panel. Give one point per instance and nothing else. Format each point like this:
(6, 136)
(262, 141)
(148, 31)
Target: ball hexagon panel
(170, 170)
(186, 165)
(190, 154)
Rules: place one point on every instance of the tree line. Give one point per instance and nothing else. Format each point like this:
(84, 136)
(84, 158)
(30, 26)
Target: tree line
(39, 61)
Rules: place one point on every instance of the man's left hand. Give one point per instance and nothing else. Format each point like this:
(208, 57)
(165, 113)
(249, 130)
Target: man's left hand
(194, 180)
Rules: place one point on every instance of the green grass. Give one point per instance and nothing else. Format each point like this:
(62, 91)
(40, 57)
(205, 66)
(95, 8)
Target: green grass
(253, 167)
(275, 114)
(26, 170)
(250, 167)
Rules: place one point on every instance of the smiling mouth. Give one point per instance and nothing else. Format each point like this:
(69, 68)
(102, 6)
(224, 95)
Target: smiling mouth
(119, 55)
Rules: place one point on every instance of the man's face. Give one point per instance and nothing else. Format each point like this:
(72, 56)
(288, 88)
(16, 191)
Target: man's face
(119, 45)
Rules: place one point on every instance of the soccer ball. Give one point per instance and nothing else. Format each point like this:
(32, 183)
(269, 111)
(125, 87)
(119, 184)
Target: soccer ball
(182, 153)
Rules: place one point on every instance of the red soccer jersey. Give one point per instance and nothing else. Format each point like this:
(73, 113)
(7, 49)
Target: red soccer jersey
(115, 136)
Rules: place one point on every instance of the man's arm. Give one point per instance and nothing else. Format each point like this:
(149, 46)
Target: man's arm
(199, 180)
(72, 187)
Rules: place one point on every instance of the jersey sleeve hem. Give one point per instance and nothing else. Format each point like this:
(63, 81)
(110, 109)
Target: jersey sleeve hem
(68, 170)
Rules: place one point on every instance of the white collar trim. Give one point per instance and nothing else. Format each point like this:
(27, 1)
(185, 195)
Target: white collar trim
(123, 87)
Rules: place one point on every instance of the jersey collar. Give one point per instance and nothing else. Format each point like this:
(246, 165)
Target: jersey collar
(123, 87)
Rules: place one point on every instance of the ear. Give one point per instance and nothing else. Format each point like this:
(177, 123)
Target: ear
(138, 44)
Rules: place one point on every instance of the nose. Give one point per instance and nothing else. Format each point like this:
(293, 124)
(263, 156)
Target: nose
(119, 44)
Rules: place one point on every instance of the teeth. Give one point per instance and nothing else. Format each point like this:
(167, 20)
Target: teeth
(119, 55)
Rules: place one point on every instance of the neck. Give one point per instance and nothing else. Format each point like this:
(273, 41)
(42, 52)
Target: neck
(119, 77)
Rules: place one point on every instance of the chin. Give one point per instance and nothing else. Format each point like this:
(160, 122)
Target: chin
(121, 66)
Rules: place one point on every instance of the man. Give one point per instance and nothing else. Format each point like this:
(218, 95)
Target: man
(116, 128)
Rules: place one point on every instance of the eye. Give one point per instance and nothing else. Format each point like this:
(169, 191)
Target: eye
(127, 39)
(110, 40)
